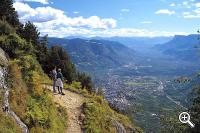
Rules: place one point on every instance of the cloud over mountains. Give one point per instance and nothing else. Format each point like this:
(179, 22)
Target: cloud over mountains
(57, 23)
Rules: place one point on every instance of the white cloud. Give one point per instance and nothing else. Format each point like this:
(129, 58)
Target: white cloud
(172, 4)
(185, 3)
(75, 12)
(186, 13)
(125, 32)
(125, 10)
(39, 14)
(55, 17)
(166, 33)
(63, 32)
(193, 14)
(197, 5)
(39, 1)
(190, 8)
(165, 11)
(55, 23)
(146, 22)
(197, 11)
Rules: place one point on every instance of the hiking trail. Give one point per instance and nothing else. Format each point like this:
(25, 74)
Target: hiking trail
(73, 103)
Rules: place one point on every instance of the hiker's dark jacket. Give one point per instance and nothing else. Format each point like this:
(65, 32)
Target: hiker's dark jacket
(60, 75)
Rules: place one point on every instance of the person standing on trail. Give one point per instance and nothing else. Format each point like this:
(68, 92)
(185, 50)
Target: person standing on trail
(54, 78)
(59, 82)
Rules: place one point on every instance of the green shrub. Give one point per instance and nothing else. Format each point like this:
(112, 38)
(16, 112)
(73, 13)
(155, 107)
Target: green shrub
(99, 116)
(35, 107)
(5, 28)
(76, 85)
(86, 81)
(14, 46)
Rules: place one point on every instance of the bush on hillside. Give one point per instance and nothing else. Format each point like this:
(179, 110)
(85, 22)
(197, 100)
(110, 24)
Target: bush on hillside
(33, 104)
(86, 81)
(15, 46)
(99, 116)
(5, 28)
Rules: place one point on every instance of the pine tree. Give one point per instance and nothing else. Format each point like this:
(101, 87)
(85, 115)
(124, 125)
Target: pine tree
(8, 13)
(30, 33)
(42, 52)
(59, 57)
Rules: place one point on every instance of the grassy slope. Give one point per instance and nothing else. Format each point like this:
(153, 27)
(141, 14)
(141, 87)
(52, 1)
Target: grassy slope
(36, 109)
(7, 125)
(99, 115)
(39, 113)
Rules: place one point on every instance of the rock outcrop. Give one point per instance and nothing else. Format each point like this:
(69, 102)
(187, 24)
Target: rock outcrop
(119, 127)
(4, 86)
(3, 58)
(3, 69)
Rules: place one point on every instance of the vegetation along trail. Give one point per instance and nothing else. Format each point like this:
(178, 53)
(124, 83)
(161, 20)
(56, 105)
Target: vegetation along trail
(73, 103)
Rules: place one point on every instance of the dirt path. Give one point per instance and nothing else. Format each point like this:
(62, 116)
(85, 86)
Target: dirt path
(72, 102)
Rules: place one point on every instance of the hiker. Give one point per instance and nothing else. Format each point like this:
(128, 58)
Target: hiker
(59, 82)
(54, 78)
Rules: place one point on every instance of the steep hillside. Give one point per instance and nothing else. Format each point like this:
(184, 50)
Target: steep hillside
(96, 115)
(138, 43)
(182, 47)
(7, 124)
(22, 78)
(33, 107)
(95, 53)
(91, 114)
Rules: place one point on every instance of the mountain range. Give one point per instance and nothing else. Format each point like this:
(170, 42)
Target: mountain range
(138, 43)
(181, 47)
(137, 71)
(95, 53)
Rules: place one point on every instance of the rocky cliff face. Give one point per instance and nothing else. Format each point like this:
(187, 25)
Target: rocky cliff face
(4, 85)
(3, 68)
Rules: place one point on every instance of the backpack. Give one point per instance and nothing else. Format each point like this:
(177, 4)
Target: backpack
(53, 75)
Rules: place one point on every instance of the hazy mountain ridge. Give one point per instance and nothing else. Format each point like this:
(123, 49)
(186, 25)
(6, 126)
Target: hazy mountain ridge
(138, 42)
(181, 46)
(95, 53)
(131, 42)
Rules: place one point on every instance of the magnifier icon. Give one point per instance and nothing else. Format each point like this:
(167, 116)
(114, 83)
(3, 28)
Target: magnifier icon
(184, 117)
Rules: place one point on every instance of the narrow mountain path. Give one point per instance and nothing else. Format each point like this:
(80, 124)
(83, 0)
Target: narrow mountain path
(73, 103)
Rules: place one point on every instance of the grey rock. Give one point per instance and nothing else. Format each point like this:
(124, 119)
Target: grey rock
(4, 85)
(119, 127)
(3, 58)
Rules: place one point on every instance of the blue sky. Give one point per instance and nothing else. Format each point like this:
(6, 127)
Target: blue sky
(61, 18)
